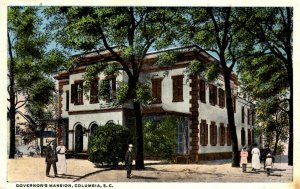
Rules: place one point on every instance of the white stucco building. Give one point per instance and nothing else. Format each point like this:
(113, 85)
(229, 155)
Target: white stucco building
(202, 104)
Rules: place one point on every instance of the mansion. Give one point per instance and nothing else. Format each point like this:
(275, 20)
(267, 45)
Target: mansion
(202, 136)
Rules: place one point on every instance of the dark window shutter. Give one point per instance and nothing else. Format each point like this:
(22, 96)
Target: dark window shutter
(73, 93)
(243, 142)
(94, 91)
(67, 100)
(248, 116)
(80, 98)
(114, 87)
(202, 91)
(215, 134)
(156, 90)
(175, 89)
(211, 134)
(221, 98)
(243, 114)
(180, 88)
(206, 134)
(202, 134)
(215, 95)
(249, 137)
(211, 94)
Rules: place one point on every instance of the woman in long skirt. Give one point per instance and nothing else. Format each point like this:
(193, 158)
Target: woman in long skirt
(255, 158)
(61, 155)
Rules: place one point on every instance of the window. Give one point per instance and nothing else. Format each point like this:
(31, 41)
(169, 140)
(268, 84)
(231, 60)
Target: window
(17, 130)
(243, 114)
(234, 103)
(228, 136)
(94, 91)
(110, 88)
(213, 95)
(202, 91)
(248, 116)
(213, 133)
(249, 137)
(222, 134)
(156, 90)
(77, 93)
(253, 117)
(203, 133)
(221, 98)
(177, 88)
(243, 135)
(67, 100)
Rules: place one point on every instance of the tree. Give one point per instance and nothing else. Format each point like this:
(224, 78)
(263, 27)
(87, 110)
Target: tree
(217, 31)
(273, 121)
(127, 33)
(270, 30)
(29, 64)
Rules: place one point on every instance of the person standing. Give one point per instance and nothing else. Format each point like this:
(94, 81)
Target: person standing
(244, 158)
(129, 160)
(255, 158)
(61, 156)
(269, 163)
(51, 158)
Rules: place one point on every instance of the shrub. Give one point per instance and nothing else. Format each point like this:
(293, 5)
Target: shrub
(160, 136)
(108, 144)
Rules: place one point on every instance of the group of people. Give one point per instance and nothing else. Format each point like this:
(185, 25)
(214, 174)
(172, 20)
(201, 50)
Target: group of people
(55, 157)
(256, 156)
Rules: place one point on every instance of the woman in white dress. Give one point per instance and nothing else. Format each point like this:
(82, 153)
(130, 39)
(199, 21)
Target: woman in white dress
(255, 158)
(61, 155)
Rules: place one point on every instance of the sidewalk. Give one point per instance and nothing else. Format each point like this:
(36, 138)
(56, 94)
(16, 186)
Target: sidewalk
(32, 169)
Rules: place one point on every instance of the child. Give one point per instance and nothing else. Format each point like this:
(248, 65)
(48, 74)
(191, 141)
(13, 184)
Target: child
(244, 156)
(269, 163)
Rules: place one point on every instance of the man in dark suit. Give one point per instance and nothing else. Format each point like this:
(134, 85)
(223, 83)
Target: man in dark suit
(51, 158)
(129, 160)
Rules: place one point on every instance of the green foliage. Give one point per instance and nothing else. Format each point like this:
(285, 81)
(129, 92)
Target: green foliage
(160, 136)
(143, 94)
(108, 144)
(122, 92)
(196, 67)
(167, 59)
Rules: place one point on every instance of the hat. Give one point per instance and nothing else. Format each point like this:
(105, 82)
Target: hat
(130, 145)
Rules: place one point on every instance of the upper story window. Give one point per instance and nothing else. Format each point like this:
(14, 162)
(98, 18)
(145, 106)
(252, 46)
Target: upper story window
(213, 134)
(243, 114)
(203, 133)
(110, 88)
(77, 92)
(67, 100)
(248, 116)
(243, 137)
(202, 91)
(221, 98)
(156, 90)
(94, 91)
(222, 134)
(177, 88)
(213, 95)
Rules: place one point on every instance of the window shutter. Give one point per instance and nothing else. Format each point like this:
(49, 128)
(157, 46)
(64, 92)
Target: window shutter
(180, 88)
(94, 91)
(243, 114)
(114, 88)
(156, 90)
(215, 95)
(249, 137)
(206, 133)
(67, 100)
(80, 98)
(202, 134)
(175, 89)
(73, 93)
(211, 94)
(215, 134)
(243, 142)
(211, 134)
(248, 116)
(202, 91)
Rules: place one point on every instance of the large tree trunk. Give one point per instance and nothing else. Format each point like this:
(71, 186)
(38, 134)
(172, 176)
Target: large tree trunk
(12, 108)
(139, 159)
(231, 122)
(291, 121)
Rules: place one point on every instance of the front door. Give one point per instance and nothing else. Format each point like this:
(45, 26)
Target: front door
(78, 139)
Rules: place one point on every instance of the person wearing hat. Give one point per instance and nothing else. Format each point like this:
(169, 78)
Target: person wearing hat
(269, 163)
(244, 158)
(51, 158)
(129, 160)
